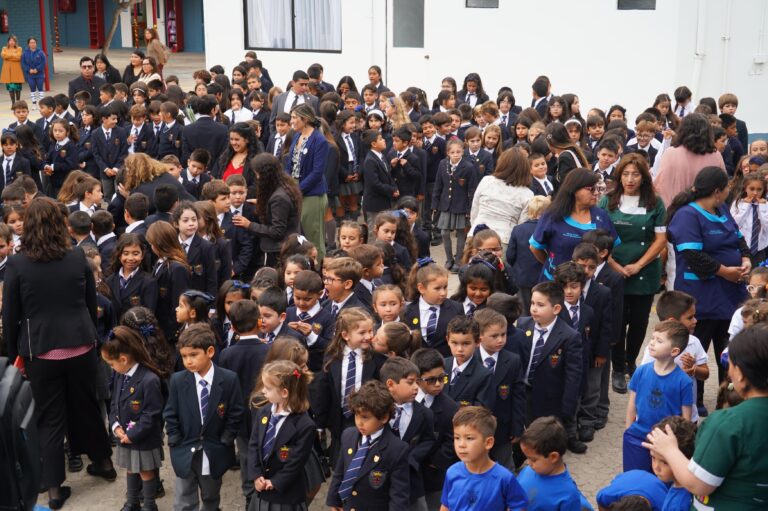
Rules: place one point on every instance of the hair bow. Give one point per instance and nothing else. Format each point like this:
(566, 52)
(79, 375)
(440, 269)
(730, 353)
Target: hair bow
(400, 212)
(8, 130)
(237, 284)
(194, 293)
(480, 260)
(480, 228)
(297, 374)
(111, 335)
(301, 239)
(147, 329)
(424, 261)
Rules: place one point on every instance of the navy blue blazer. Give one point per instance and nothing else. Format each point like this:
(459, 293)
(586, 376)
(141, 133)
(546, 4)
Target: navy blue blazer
(205, 133)
(263, 117)
(402, 256)
(542, 107)
(64, 161)
(472, 386)
(323, 325)
(223, 252)
(587, 329)
(448, 310)
(201, 257)
(245, 358)
(461, 97)
(422, 241)
(215, 436)
(453, 192)
(353, 301)
(19, 167)
(172, 280)
(241, 242)
(525, 267)
(106, 252)
(383, 482)
(141, 403)
(169, 140)
(284, 465)
(650, 151)
(85, 146)
(157, 217)
(365, 296)
(443, 454)
(599, 299)
(311, 165)
(420, 437)
(346, 167)
(421, 154)
(379, 186)
(611, 279)
(109, 154)
(556, 381)
(141, 290)
(145, 142)
(37, 129)
(408, 176)
(538, 189)
(507, 390)
(45, 134)
(483, 161)
(192, 188)
(435, 154)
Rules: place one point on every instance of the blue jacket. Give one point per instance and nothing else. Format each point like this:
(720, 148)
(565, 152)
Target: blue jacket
(311, 165)
(33, 60)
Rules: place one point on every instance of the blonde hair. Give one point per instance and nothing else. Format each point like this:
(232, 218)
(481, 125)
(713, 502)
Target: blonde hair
(401, 116)
(347, 320)
(288, 375)
(140, 168)
(537, 205)
(284, 348)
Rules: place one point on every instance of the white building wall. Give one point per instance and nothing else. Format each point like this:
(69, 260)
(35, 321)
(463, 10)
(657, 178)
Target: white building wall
(588, 47)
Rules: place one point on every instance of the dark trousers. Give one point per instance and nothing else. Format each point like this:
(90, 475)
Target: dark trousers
(711, 331)
(66, 404)
(634, 325)
(524, 293)
(426, 213)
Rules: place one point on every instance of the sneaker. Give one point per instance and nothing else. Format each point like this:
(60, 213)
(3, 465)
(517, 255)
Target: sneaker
(586, 433)
(619, 383)
(600, 423)
(576, 446)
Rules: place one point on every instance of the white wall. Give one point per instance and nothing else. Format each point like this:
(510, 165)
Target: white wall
(589, 47)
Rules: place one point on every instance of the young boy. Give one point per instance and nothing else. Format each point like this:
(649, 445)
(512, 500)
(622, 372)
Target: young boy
(196, 176)
(61, 108)
(309, 318)
(245, 358)
(171, 163)
(89, 196)
(736, 149)
(6, 247)
(80, 229)
(169, 138)
(412, 421)
(469, 382)
(369, 97)
(272, 306)
(340, 277)
(352, 101)
(546, 479)
(507, 383)
(406, 167)
(165, 198)
(410, 205)
(431, 384)
(379, 186)
(371, 259)
(276, 142)
(685, 431)
(46, 107)
(435, 149)
(219, 194)
(156, 120)
(540, 184)
(102, 228)
(141, 138)
(14, 165)
(645, 132)
(483, 160)
(372, 471)
(595, 131)
(552, 356)
(443, 125)
(476, 482)
(655, 391)
(679, 306)
(135, 213)
(201, 434)
(109, 147)
(607, 156)
(728, 103)
(21, 113)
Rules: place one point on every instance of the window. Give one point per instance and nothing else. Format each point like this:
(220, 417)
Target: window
(637, 5)
(493, 4)
(302, 25)
(408, 24)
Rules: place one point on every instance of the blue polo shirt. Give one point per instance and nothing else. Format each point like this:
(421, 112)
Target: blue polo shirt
(658, 396)
(550, 492)
(634, 482)
(494, 490)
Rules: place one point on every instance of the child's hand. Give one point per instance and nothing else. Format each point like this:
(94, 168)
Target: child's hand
(268, 485)
(82, 165)
(394, 161)
(396, 193)
(304, 328)
(241, 221)
(349, 178)
(260, 484)
(48, 170)
(119, 432)
(687, 360)
(131, 138)
(125, 439)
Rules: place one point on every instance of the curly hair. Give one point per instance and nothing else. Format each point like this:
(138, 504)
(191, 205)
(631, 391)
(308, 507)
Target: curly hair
(45, 236)
(251, 143)
(270, 176)
(141, 168)
(695, 134)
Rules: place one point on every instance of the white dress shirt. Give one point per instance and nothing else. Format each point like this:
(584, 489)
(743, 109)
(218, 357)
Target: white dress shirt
(406, 414)
(312, 337)
(534, 341)
(456, 370)
(206, 469)
(424, 314)
(484, 355)
(358, 370)
(742, 213)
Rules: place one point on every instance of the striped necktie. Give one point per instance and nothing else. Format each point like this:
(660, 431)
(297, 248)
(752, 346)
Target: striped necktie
(575, 316)
(490, 363)
(350, 475)
(538, 348)
(396, 420)
(755, 238)
(204, 399)
(269, 436)
(431, 324)
(349, 383)
(303, 316)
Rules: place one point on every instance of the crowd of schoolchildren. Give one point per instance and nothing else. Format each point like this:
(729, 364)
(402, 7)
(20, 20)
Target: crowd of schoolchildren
(358, 369)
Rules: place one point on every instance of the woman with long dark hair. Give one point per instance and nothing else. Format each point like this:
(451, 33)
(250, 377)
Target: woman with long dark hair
(567, 154)
(105, 70)
(572, 212)
(133, 69)
(278, 207)
(243, 145)
(49, 313)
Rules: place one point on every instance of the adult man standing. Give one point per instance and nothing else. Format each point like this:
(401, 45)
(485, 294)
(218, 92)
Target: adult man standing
(205, 132)
(296, 95)
(87, 82)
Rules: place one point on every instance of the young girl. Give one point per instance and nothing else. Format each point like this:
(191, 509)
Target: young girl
(350, 177)
(537, 128)
(683, 104)
(375, 121)
(171, 272)
(282, 439)
(237, 111)
(452, 197)
(669, 121)
(352, 234)
(193, 308)
(293, 265)
(430, 310)
(63, 156)
(385, 229)
(403, 235)
(348, 352)
(727, 397)
(492, 142)
(143, 321)
(557, 111)
(476, 283)
(751, 214)
(130, 284)
(393, 271)
(388, 302)
(395, 339)
(230, 292)
(201, 255)
(136, 413)
(89, 121)
(298, 244)
(13, 217)
(66, 193)
(758, 288)
(208, 229)
(568, 155)
(522, 125)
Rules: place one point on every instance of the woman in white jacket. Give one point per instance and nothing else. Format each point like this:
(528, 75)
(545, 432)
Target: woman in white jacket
(500, 199)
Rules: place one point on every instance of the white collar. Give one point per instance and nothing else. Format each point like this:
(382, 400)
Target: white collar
(348, 350)
(208, 376)
(190, 177)
(461, 367)
(133, 226)
(313, 311)
(104, 238)
(169, 125)
(132, 370)
(130, 276)
(273, 411)
(368, 285)
(10, 157)
(548, 327)
(424, 306)
(599, 269)
(63, 142)
(424, 398)
(375, 436)
(341, 304)
(484, 355)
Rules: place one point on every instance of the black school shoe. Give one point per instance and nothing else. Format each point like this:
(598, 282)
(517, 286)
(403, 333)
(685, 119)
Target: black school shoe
(74, 463)
(131, 507)
(600, 423)
(66, 492)
(619, 383)
(576, 446)
(586, 433)
(108, 474)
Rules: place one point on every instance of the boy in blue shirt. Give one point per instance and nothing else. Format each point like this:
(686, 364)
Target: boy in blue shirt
(476, 482)
(656, 391)
(546, 479)
(678, 498)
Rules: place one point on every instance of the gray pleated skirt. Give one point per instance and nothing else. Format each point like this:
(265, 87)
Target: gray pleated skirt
(134, 460)
(452, 221)
(262, 505)
(351, 188)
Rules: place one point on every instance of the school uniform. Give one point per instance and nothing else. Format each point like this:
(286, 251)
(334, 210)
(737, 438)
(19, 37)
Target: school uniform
(36, 128)
(201, 256)
(649, 150)
(471, 98)
(422, 241)
(382, 481)
(64, 159)
(137, 399)
(752, 220)
(172, 280)
(280, 457)
(351, 301)
(2, 269)
(86, 242)
(525, 267)
(109, 153)
(507, 397)
(140, 289)
(615, 283)
(106, 245)
(350, 156)
(414, 424)
(158, 216)
(85, 148)
(541, 106)
(379, 185)
(241, 242)
(553, 377)
(364, 292)
(543, 187)
(402, 256)
(408, 176)
(317, 341)
(421, 158)
(453, 192)
(443, 454)
(275, 145)
(194, 184)
(468, 384)
(482, 160)
(417, 315)
(262, 116)
(202, 446)
(169, 140)
(222, 250)
(13, 167)
(435, 150)
(43, 131)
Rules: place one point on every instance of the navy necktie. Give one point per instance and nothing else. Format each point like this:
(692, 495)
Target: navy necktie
(575, 316)
(124, 386)
(755, 238)
(350, 475)
(269, 436)
(303, 316)
(204, 399)
(538, 348)
(431, 324)
(8, 171)
(490, 363)
(396, 420)
(334, 310)
(471, 310)
(349, 383)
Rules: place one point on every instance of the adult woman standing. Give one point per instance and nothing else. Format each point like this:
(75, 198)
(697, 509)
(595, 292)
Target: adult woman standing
(278, 207)
(243, 145)
(500, 200)
(12, 75)
(640, 220)
(33, 62)
(572, 212)
(156, 49)
(711, 257)
(149, 70)
(133, 69)
(142, 174)
(306, 160)
(105, 70)
(729, 467)
(48, 320)
(693, 148)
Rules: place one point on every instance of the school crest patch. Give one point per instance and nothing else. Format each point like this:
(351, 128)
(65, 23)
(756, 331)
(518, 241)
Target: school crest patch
(99, 312)
(283, 453)
(143, 144)
(554, 358)
(177, 143)
(317, 328)
(135, 405)
(376, 478)
(503, 391)
(445, 380)
(163, 292)
(462, 181)
(87, 145)
(135, 301)
(464, 403)
(117, 141)
(198, 269)
(221, 409)
(63, 153)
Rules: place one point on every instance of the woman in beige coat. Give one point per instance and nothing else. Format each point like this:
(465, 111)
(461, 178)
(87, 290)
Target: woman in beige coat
(12, 75)
(156, 49)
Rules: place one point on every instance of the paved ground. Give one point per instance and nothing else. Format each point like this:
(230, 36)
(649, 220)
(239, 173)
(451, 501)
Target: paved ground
(591, 471)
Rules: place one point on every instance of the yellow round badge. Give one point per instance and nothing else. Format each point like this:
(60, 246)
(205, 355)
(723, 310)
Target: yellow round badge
(264, 420)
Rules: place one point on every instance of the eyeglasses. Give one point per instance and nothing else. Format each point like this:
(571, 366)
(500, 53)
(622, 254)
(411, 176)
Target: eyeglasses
(434, 380)
(329, 280)
(592, 189)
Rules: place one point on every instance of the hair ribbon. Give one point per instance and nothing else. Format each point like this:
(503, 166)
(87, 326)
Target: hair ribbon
(480, 228)
(424, 261)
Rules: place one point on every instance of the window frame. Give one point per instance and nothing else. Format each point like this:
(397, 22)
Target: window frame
(619, 8)
(293, 34)
(467, 6)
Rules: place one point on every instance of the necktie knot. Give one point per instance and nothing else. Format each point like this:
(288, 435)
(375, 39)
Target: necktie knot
(456, 373)
(303, 316)
(351, 356)
(490, 363)
(203, 383)
(471, 310)
(335, 310)
(541, 332)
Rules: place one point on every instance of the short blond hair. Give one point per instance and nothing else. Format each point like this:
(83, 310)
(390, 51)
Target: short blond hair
(537, 205)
